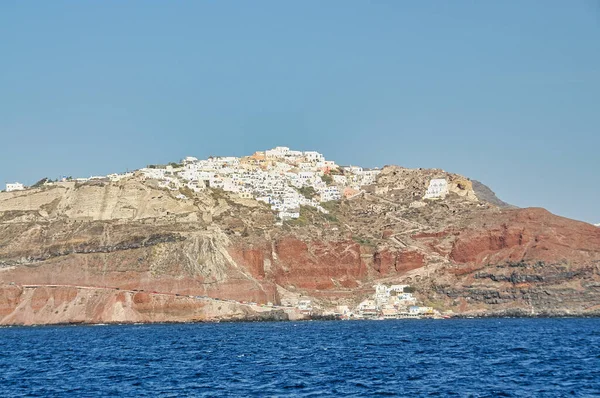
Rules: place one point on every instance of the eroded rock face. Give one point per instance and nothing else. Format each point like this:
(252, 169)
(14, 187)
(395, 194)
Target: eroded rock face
(398, 262)
(58, 305)
(528, 235)
(65, 251)
(317, 265)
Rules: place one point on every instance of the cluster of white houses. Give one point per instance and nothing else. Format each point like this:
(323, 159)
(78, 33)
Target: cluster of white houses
(392, 302)
(283, 178)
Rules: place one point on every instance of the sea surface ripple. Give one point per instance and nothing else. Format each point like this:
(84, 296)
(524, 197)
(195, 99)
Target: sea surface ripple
(468, 357)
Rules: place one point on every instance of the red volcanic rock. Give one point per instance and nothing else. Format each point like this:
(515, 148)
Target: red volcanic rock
(528, 235)
(39, 299)
(348, 283)
(409, 260)
(9, 299)
(141, 298)
(51, 305)
(251, 259)
(386, 262)
(475, 246)
(314, 265)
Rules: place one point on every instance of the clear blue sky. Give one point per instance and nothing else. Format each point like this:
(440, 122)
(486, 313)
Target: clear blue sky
(506, 92)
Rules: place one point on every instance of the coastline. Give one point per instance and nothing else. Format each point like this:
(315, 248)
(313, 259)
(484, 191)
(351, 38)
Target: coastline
(312, 319)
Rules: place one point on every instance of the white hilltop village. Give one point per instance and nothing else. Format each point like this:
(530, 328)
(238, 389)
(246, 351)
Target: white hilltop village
(283, 178)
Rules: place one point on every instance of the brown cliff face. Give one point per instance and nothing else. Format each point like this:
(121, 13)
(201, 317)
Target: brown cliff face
(65, 250)
(318, 265)
(527, 235)
(397, 262)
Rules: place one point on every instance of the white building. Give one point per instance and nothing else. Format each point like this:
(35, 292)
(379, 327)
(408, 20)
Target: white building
(288, 214)
(414, 310)
(398, 289)
(438, 189)
(369, 176)
(17, 186)
(381, 294)
(368, 309)
(154, 173)
(330, 164)
(277, 152)
(305, 306)
(118, 177)
(353, 169)
(312, 156)
(341, 180)
(328, 194)
(274, 181)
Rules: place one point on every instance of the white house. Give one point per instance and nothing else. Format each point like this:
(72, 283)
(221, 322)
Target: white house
(414, 310)
(353, 169)
(368, 308)
(294, 155)
(330, 193)
(313, 156)
(438, 188)
(305, 306)
(277, 152)
(381, 294)
(369, 176)
(306, 175)
(118, 177)
(17, 186)
(342, 180)
(398, 289)
(287, 214)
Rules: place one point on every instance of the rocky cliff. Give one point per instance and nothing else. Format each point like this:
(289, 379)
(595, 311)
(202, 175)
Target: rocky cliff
(129, 251)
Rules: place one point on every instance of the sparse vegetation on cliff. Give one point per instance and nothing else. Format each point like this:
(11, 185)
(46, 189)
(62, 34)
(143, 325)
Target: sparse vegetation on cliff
(308, 192)
(327, 179)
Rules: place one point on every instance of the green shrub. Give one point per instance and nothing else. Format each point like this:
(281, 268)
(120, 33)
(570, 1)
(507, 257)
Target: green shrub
(332, 206)
(40, 183)
(299, 222)
(308, 192)
(363, 241)
(330, 217)
(327, 179)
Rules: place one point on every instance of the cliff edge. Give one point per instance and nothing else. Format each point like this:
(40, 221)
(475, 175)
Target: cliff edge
(132, 251)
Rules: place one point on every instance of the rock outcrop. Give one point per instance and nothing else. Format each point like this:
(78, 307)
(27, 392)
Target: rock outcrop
(484, 193)
(129, 251)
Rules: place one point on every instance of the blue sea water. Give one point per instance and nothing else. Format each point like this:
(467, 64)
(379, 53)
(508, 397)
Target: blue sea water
(469, 357)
